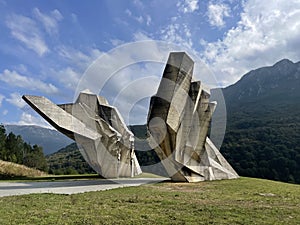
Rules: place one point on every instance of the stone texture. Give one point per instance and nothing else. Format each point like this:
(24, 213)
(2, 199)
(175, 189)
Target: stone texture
(178, 123)
(99, 130)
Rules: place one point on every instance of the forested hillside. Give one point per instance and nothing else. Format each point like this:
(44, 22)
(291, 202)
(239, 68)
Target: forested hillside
(263, 124)
(14, 149)
(68, 160)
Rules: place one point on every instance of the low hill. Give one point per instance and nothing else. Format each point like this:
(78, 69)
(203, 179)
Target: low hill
(10, 170)
(68, 160)
(239, 201)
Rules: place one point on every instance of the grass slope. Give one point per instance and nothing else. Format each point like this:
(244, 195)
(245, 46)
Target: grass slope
(10, 170)
(241, 201)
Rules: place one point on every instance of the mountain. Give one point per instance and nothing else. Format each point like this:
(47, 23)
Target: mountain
(277, 83)
(50, 140)
(263, 126)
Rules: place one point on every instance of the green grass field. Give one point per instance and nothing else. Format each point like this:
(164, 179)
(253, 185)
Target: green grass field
(241, 201)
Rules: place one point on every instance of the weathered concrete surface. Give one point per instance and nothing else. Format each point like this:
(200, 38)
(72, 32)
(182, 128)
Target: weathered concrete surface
(99, 130)
(178, 121)
(71, 187)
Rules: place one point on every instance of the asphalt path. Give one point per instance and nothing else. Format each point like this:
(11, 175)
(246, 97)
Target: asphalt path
(71, 187)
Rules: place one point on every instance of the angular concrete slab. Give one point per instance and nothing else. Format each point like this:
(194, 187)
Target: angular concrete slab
(99, 130)
(178, 122)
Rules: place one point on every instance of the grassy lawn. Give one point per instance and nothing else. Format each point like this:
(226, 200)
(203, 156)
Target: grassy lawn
(242, 201)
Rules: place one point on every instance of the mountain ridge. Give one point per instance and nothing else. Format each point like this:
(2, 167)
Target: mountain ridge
(277, 83)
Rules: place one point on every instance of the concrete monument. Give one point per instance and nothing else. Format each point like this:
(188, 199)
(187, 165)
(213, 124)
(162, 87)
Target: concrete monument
(178, 123)
(99, 130)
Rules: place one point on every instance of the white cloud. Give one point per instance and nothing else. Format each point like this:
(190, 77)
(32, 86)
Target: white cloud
(188, 6)
(22, 68)
(74, 18)
(16, 100)
(178, 34)
(128, 12)
(140, 19)
(1, 99)
(25, 30)
(28, 119)
(138, 3)
(266, 33)
(72, 54)
(216, 14)
(68, 77)
(77, 62)
(14, 79)
(50, 22)
(5, 112)
(148, 20)
(77, 57)
(116, 42)
(140, 36)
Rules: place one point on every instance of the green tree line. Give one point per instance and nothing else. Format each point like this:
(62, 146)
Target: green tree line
(265, 145)
(14, 149)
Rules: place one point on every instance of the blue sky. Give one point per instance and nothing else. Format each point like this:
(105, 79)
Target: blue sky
(48, 47)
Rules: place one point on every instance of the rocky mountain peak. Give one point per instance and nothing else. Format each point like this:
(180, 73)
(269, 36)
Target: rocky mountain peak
(278, 81)
(283, 62)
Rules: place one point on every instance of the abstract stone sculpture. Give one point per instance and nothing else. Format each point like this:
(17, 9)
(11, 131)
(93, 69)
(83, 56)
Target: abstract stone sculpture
(178, 123)
(103, 138)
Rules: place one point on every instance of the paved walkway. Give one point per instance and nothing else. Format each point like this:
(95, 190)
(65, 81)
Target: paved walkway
(71, 187)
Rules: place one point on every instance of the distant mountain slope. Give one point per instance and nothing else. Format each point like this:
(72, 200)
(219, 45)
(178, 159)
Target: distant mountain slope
(263, 124)
(50, 140)
(273, 84)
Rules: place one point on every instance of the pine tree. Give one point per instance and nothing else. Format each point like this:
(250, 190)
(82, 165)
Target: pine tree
(2, 141)
(36, 159)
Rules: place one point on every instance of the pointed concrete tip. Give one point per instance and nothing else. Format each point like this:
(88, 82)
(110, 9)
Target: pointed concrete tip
(86, 91)
(26, 97)
(182, 54)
